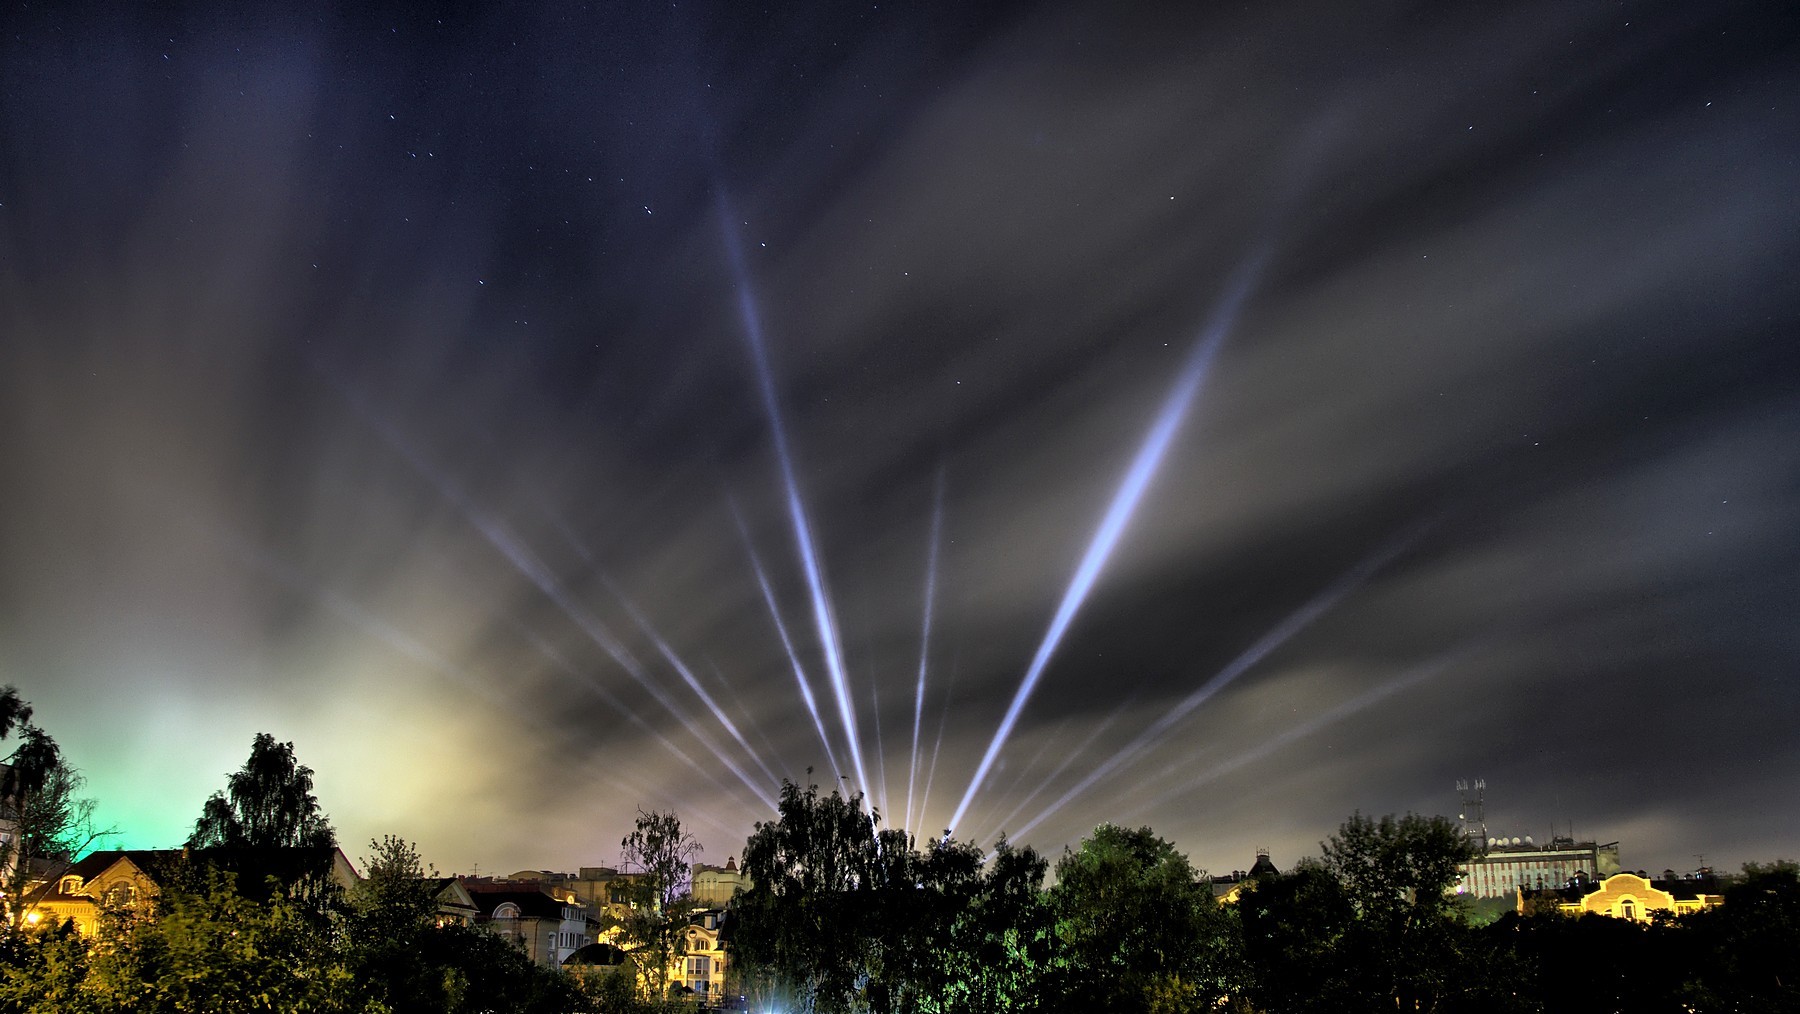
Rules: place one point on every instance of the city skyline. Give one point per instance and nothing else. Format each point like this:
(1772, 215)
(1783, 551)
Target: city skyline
(1216, 420)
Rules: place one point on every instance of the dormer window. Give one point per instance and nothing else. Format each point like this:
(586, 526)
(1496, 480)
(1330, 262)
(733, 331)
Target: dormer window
(506, 910)
(70, 885)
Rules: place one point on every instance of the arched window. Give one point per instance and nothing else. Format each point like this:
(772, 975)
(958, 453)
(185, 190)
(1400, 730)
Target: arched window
(120, 896)
(1628, 909)
(506, 910)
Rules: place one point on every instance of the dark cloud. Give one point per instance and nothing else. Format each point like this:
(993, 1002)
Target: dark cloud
(382, 382)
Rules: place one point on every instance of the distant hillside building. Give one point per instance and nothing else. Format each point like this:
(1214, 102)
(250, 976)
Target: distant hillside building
(715, 886)
(1508, 865)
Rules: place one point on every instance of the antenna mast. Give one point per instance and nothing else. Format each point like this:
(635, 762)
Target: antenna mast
(1473, 817)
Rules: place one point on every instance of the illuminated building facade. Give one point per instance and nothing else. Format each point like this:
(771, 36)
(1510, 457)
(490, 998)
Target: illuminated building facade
(1509, 865)
(548, 925)
(702, 968)
(1630, 896)
(604, 890)
(715, 886)
(129, 880)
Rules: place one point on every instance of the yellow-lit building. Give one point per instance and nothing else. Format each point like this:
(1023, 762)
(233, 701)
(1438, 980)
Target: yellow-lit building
(549, 924)
(119, 881)
(127, 881)
(605, 891)
(715, 886)
(700, 965)
(702, 968)
(1630, 896)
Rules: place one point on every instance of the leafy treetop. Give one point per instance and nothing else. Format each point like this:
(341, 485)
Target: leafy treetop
(269, 803)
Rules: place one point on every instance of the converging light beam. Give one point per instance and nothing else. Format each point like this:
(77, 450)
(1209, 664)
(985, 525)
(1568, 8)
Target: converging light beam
(809, 557)
(931, 561)
(1118, 513)
(787, 643)
(1280, 634)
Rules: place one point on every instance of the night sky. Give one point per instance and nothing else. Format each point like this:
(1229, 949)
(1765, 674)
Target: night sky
(1232, 416)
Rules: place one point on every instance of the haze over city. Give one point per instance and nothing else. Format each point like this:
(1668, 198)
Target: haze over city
(1216, 418)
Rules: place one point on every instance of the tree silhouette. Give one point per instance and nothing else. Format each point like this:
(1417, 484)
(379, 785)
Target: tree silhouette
(1137, 928)
(662, 849)
(35, 754)
(51, 822)
(269, 803)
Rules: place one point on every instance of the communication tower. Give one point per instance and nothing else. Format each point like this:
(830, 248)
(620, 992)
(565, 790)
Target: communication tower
(1474, 823)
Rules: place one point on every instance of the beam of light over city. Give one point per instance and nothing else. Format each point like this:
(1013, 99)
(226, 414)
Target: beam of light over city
(688, 677)
(931, 561)
(352, 612)
(1277, 636)
(1002, 826)
(1412, 677)
(803, 538)
(787, 643)
(533, 568)
(878, 796)
(1118, 513)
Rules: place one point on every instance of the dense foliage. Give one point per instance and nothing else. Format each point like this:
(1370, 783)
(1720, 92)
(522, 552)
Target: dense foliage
(213, 949)
(1137, 927)
(841, 916)
(844, 917)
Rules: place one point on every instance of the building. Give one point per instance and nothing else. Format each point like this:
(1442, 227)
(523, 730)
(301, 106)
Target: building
(604, 890)
(697, 967)
(715, 886)
(548, 924)
(1505, 866)
(702, 968)
(120, 881)
(129, 880)
(455, 905)
(1629, 896)
(1227, 887)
